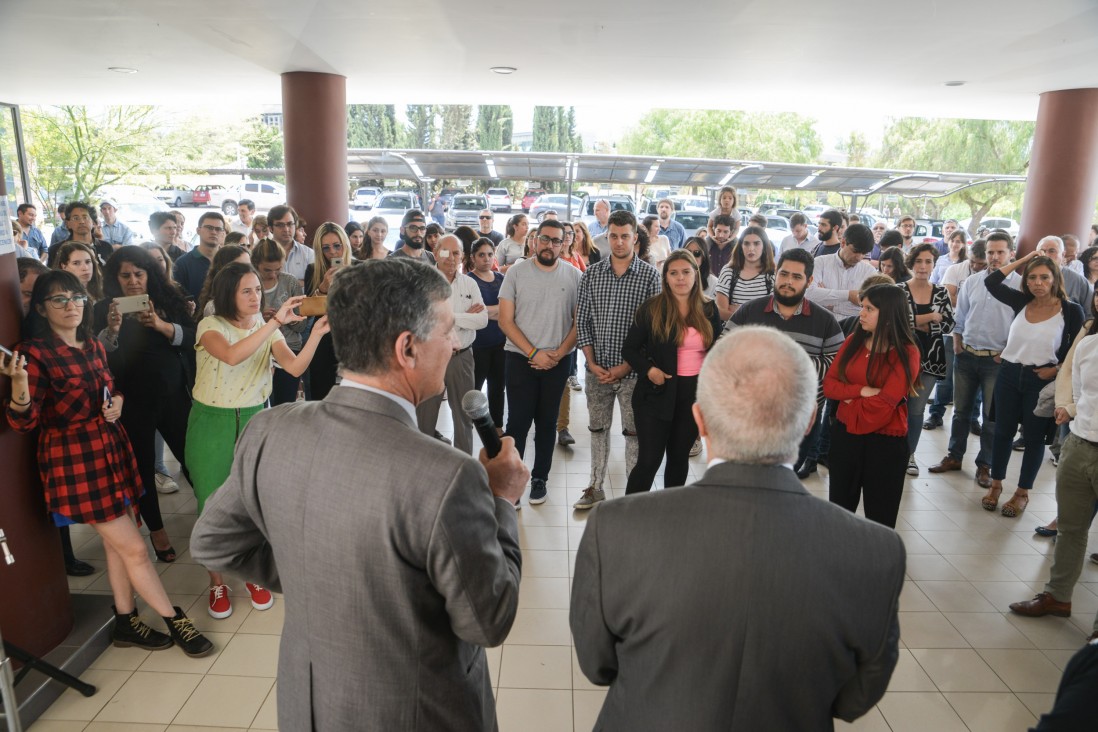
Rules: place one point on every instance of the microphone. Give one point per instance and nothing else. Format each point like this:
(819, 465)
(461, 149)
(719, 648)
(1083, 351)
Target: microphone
(475, 406)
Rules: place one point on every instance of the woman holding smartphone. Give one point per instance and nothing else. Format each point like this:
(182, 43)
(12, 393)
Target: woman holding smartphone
(670, 335)
(333, 251)
(62, 387)
(149, 354)
(234, 350)
(873, 375)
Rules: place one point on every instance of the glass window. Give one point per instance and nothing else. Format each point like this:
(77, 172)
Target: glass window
(11, 148)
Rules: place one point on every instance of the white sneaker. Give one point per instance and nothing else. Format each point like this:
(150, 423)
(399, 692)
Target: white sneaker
(165, 484)
(574, 384)
(696, 449)
(912, 467)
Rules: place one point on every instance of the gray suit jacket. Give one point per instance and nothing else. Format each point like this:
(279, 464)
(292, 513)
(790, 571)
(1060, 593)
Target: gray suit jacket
(396, 561)
(740, 602)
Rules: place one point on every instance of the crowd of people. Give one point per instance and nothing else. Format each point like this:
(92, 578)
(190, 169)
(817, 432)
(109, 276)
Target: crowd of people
(130, 347)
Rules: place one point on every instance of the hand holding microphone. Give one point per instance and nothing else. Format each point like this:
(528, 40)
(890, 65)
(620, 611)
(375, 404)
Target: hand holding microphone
(507, 474)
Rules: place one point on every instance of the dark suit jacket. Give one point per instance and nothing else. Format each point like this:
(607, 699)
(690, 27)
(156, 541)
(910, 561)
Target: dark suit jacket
(396, 561)
(740, 602)
(642, 351)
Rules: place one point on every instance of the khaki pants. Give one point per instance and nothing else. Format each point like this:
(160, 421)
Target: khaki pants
(1076, 492)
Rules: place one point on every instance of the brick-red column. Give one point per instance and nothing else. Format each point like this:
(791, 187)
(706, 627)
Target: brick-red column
(1062, 183)
(314, 124)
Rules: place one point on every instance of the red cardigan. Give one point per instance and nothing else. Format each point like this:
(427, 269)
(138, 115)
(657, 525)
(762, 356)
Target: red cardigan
(884, 414)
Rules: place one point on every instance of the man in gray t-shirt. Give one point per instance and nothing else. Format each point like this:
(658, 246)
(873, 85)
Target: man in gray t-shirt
(537, 308)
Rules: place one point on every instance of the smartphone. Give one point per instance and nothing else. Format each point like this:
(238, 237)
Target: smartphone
(6, 352)
(132, 304)
(313, 306)
(107, 397)
(336, 263)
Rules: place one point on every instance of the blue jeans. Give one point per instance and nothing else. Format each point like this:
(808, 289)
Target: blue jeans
(810, 445)
(924, 382)
(533, 398)
(159, 465)
(943, 392)
(973, 377)
(1016, 390)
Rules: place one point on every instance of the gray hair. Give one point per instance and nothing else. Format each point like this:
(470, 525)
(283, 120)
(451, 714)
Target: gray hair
(1058, 240)
(756, 392)
(372, 303)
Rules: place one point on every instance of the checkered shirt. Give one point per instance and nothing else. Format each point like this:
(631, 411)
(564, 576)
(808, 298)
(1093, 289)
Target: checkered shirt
(607, 304)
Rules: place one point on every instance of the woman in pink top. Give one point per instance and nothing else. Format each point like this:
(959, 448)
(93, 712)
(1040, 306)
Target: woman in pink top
(670, 335)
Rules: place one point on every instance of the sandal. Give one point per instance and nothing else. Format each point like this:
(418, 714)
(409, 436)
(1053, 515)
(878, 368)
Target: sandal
(165, 555)
(1016, 506)
(990, 500)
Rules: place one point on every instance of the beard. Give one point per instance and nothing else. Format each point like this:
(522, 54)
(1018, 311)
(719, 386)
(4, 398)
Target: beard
(414, 242)
(789, 300)
(547, 257)
(824, 238)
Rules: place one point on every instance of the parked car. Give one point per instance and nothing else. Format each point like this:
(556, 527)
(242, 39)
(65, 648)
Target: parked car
(176, 196)
(391, 205)
(530, 196)
(556, 202)
(215, 194)
(691, 203)
(692, 221)
(464, 210)
(1010, 226)
(927, 231)
(813, 211)
(617, 201)
(499, 199)
(777, 228)
(134, 209)
(264, 194)
(364, 198)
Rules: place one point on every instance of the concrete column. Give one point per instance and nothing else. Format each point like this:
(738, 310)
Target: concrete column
(314, 124)
(1062, 183)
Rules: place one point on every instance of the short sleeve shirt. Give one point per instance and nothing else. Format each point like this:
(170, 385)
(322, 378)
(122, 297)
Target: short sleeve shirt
(248, 384)
(545, 302)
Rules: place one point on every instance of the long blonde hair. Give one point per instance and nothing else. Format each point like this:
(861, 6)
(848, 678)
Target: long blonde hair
(320, 263)
(663, 310)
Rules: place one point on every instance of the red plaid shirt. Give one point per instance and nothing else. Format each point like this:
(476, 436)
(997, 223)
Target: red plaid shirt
(86, 464)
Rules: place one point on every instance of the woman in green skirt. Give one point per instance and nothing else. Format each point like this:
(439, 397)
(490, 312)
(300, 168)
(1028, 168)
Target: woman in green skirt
(234, 350)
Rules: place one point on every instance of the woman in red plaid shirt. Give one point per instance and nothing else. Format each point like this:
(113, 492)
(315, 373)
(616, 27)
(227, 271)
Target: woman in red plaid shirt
(61, 386)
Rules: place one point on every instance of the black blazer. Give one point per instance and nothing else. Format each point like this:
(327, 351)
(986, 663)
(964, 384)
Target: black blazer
(642, 351)
(1017, 300)
(145, 362)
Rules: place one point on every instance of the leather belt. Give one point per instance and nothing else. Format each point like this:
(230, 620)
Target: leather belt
(982, 354)
(463, 350)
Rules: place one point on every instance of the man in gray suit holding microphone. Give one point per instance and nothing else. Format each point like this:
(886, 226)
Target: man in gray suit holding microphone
(398, 555)
(740, 602)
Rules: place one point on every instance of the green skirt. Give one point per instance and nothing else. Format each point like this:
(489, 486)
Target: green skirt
(211, 439)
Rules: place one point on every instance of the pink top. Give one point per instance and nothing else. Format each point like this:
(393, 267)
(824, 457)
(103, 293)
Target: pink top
(691, 353)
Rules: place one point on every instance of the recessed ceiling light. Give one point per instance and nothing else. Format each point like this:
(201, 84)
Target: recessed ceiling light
(505, 70)
(955, 83)
(122, 69)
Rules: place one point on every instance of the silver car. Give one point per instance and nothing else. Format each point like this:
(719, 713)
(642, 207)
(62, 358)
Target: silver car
(464, 210)
(176, 196)
(556, 202)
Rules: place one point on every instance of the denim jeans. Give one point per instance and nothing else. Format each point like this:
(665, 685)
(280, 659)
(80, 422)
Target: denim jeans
(1016, 390)
(600, 411)
(810, 445)
(533, 398)
(973, 376)
(915, 407)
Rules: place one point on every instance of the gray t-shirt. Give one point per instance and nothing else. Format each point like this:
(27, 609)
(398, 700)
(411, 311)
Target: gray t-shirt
(508, 252)
(545, 302)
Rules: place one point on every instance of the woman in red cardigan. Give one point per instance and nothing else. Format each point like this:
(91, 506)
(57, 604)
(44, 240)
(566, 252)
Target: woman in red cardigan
(872, 377)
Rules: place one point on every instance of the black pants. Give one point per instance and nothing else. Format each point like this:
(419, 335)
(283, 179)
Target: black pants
(533, 398)
(657, 437)
(488, 365)
(322, 369)
(872, 464)
(284, 387)
(142, 416)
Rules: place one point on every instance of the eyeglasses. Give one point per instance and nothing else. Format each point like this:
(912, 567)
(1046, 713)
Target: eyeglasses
(332, 247)
(60, 302)
(284, 224)
(549, 240)
(214, 229)
(485, 218)
(412, 228)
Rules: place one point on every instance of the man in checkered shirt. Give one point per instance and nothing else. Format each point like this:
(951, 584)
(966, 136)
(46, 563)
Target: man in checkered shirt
(609, 294)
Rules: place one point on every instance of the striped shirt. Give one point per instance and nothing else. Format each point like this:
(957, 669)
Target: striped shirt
(739, 290)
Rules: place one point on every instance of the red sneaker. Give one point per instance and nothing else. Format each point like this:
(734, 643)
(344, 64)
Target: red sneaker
(220, 607)
(261, 596)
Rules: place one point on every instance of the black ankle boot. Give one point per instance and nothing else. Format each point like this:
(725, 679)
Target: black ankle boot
(186, 636)
(130, 632)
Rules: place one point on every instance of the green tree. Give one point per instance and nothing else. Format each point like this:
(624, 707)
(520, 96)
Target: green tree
(494, 127)
(962, 146)
(421, 133)
(77, 151)
(263, 146)
(372, 125)
(856, 148)
(784, 137)
(457, 131)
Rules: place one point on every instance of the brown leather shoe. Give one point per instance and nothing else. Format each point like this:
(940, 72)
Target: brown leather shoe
(983, 476)
(946, 465)
(1092, 637)
(1043, 604)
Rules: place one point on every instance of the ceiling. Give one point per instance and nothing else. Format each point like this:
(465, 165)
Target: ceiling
(859, 56)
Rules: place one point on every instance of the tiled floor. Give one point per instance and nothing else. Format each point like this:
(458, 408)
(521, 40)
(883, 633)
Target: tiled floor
(966, 663)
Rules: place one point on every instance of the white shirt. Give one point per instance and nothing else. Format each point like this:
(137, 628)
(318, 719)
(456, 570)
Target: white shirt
(1034, 344)
(832, 282)
(404, 403)
(1084, 386)
(298, 260)
(659, 250)
(790, 242)
(464, 293)
(956, 274)
(1077, 267)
